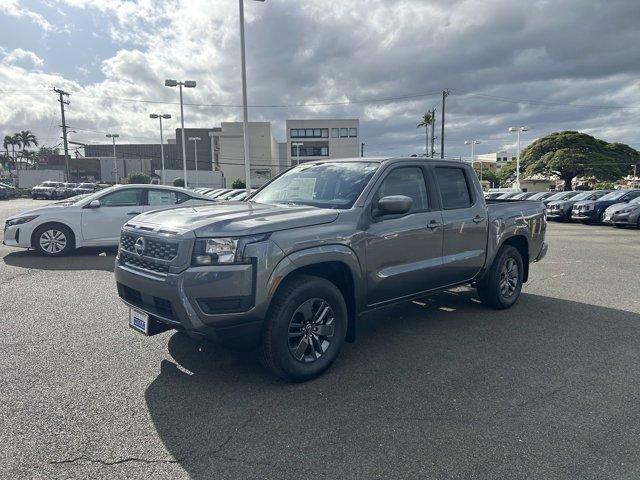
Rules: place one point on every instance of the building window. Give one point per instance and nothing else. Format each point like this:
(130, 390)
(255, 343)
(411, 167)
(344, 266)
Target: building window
(335, 132)
(310, 151)
(344, 132)
(353, 132)
(309, 133)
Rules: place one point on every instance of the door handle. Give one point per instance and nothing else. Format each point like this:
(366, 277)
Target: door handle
(478, 219)
(134, 213)
(433, 224)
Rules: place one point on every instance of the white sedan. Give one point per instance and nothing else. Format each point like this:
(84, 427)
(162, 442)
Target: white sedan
(92, 221)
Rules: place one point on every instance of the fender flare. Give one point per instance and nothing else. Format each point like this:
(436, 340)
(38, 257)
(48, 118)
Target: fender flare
(308, 257)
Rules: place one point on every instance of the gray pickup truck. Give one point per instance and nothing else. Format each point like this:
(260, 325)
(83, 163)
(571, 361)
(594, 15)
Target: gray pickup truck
(292, 269)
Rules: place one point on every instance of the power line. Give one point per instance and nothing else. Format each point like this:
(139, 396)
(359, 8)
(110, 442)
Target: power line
(542, 102)
(291, 105)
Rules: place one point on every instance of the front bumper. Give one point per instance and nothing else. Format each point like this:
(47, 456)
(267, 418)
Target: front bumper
(591, 215)
(18, 235)
(557, 215)
(216, 302)
(624, 219)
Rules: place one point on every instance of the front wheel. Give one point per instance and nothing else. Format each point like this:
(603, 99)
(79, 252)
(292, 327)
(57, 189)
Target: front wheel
(502, 285)
(305, 329)
(53, 240)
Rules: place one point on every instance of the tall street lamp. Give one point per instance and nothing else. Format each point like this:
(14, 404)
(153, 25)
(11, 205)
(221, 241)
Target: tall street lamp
(245, 115)
(185, 84)
(297, 145)
(473, 157)
(160, 116)
(518, 129)
(113, 137)
(195, 141)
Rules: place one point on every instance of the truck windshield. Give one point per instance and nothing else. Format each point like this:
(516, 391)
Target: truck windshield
(326, 185)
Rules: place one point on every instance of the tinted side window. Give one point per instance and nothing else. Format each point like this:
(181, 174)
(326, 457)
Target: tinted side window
(122, 198)
(407, 181)
(631, 196)
(453, 188)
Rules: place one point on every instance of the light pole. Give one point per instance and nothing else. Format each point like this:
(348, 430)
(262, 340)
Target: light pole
(195, 141)
(185, 84)
(297, 145)
(518, 129)
(473, 143)
(113, 137)
(245, 115)
(161, 116)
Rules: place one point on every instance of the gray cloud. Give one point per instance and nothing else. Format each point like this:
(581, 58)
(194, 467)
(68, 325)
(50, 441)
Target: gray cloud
(561, 52)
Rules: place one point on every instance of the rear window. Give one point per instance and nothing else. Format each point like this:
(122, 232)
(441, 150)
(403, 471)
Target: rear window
(454, 188)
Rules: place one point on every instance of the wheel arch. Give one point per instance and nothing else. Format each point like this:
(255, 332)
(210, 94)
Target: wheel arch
(520, 243)
(335, 263)
(53, 223)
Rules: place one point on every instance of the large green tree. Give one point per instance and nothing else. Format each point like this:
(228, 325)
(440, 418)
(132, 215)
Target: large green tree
(570, 154)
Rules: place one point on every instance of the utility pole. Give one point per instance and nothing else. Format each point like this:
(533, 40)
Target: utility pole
(433, 133)
(445, 94)
(362, 149)
(64, 102)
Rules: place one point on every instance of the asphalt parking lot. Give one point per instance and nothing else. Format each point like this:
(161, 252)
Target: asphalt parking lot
(441, 388)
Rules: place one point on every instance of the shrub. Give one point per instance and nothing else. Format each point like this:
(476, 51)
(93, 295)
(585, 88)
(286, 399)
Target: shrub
(178, 182)
(237, 183)
(138, 178)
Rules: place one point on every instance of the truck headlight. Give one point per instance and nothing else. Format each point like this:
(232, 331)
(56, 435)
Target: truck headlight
(217, 251)
(20, 220)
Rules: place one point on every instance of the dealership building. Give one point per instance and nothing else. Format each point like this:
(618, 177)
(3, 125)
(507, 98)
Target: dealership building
(222, 148)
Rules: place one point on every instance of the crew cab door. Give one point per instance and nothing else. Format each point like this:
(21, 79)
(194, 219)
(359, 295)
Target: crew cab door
(101, 225)
(465, 219)
(403, 252)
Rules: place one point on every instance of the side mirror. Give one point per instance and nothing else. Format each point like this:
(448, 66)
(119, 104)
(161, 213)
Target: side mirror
(393, 205)
(94, 204)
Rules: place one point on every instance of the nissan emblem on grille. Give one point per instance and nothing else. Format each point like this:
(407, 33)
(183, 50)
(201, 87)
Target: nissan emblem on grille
(140, 246)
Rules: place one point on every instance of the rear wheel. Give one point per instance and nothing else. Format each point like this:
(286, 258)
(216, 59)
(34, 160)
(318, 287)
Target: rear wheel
(502, 285)
(305, 329)
(53, 240)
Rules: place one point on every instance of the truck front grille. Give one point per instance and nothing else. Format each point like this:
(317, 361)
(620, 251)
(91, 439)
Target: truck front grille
(160, 249)
(141, 263)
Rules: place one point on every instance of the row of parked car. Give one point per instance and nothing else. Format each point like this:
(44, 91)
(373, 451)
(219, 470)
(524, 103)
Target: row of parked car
(224, 194)
(51, 190)
(7, 190)
(620, 208)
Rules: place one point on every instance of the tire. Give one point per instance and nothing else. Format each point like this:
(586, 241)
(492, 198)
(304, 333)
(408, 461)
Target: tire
(492, 290)
(53, 240)
(293, 347)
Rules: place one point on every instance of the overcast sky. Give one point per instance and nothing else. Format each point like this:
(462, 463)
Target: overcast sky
(548, 64)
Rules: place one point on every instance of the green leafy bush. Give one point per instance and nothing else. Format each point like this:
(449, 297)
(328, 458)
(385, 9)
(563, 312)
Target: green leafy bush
(137, 178)
(237, 183)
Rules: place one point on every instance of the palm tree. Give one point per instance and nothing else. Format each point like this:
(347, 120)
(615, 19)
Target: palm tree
(27, 138)
(425, 121)
(6, 142)
(16, 143)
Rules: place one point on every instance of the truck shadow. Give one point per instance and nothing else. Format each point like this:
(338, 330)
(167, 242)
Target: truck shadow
(442, 386)
(90, 258)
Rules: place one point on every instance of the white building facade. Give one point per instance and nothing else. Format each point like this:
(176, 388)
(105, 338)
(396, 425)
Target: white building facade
(263, 152)
(322, 139)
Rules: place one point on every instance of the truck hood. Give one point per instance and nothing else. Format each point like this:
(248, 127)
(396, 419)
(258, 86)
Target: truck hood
(236, 218)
